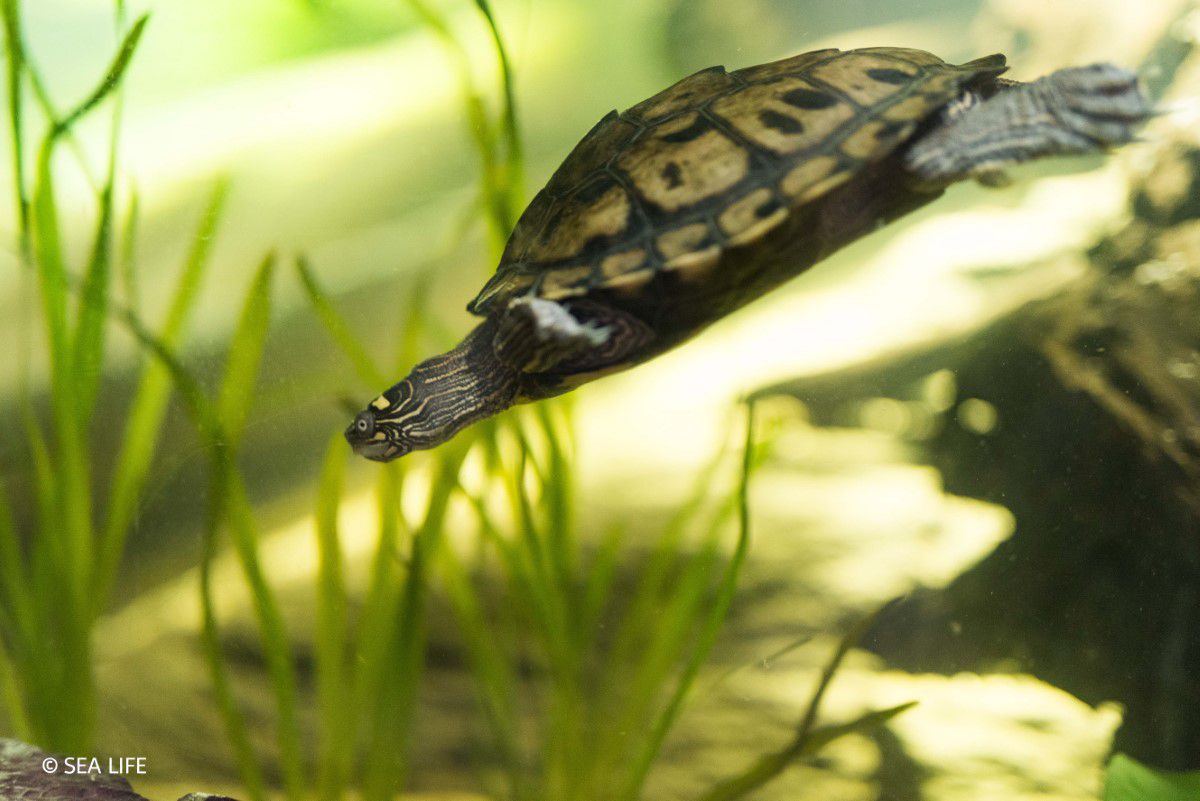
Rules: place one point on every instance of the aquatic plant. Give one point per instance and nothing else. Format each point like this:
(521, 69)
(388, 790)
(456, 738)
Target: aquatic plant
(1128, 780)
(367, 668)
(610, 660)
(58, 564)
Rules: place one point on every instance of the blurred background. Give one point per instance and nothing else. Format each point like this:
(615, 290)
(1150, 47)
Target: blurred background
(987, 410)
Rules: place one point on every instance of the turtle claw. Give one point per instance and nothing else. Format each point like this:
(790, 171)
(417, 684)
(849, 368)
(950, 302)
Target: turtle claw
(551, 322)
(1070, 112)
(594, 334)
(1101, 102)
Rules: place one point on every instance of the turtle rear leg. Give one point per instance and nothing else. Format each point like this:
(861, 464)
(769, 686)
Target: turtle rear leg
(1072, 111)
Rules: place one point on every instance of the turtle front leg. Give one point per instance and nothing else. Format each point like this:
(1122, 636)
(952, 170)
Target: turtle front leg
(1069, 112)
(534, 335)
(539, 336)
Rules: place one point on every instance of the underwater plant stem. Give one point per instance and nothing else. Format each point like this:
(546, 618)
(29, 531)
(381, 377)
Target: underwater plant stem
(229, 505)
(149, 405)
(391, 719)
(712, 626)
(370, 632)
(90, 327)
(479, 124)
(231, 408)
(514, 162)
(54, 644)
(72, 473)
(15, 62)
(331, 637)
(209, 427)
(87, 343)
(630, 682)
(493, 676)
(336, 326)
(808, 739)
(231, 717)
(127, 259)
(276, 648)
(14, 703)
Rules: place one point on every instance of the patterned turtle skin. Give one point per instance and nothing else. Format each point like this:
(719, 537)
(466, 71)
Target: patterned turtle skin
(674, 213)
(711, 192)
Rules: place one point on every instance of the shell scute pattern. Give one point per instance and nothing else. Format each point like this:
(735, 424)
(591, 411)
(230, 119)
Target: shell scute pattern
(678, 173)
(715, 162)
(783, 116)
(686, 94)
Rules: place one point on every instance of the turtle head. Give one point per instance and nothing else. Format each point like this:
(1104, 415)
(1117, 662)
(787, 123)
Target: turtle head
(439, 398)
(384, 430)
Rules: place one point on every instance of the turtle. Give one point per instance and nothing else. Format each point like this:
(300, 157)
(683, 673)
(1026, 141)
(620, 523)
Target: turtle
(690, 204)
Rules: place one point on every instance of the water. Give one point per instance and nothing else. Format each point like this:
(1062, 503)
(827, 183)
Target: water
(980, 419)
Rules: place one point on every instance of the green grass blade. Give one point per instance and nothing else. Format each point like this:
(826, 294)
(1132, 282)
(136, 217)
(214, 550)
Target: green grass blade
(168, 368)
(557, 499)
(378, 605)
(808, 738)
(15, 63)
(232, 411)
(236, 730)
(245, 352)
(331, 639)
(14, 702)
(771, 765)
(848, 641)
(50, 111)
(514, 166)
(51, 271)
(821, 736)
(479, 123)
(385, 758)
(90, 328)
(88, 345)
(128, 253)
(337, 327)
(112, 77)
(225, 490)
(381, 607)
(624, 658)
(491, 669)
(46, 562)
(16, 592)
(47, 554)
(74, 484)
(389, 722)
(598, 588)
(711, 626)
(416, 323)
(1128, 780)
(89, 338)
(149, 406)
(276, 645)
(665, 640)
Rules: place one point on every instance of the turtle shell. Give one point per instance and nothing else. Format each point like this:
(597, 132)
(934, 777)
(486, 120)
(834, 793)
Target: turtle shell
(714, 162)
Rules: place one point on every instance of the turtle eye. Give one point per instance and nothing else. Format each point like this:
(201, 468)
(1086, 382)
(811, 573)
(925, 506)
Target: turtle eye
(364, 422)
